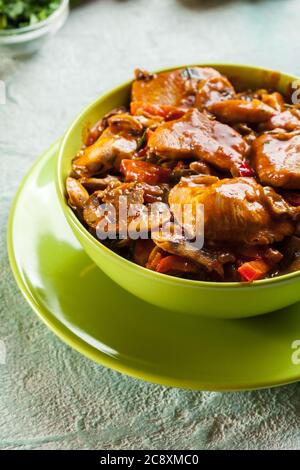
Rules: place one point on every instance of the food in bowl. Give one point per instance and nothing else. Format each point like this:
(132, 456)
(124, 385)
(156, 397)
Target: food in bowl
(25, 12)
(189, 138)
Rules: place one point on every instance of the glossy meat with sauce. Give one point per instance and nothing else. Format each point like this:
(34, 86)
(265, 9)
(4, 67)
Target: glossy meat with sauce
(189, 140)
(236, 210)
(235, 111)
(195, 136)
(288, 120)
(276, 158)
(168, 94)
(213, 90)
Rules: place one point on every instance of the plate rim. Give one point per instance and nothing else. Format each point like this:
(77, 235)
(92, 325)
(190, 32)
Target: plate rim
(87, 350)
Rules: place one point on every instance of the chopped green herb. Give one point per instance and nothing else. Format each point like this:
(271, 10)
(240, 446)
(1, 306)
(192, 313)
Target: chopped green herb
(142, 140)
(20, 13)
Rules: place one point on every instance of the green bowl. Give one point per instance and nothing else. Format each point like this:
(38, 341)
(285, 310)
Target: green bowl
(221, 300)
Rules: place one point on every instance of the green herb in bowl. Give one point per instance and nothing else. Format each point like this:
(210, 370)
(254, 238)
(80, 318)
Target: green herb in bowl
(26, 25)
(18, 14)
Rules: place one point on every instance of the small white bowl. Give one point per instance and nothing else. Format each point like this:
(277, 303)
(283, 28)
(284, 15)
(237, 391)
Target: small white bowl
(25, 41)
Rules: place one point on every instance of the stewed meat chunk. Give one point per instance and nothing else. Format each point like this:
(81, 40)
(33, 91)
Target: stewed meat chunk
(170, 94)
(288, 120)
(276, 158)
(235, 111)
(236, 210)
(195, 136)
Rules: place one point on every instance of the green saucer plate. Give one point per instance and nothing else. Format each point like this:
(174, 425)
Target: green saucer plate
(105, 323)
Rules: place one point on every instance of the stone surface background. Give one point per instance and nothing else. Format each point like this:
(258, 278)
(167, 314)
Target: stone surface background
(50, 396)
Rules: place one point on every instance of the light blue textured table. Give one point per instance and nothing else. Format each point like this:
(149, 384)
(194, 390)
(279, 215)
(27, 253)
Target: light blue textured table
(50, 396)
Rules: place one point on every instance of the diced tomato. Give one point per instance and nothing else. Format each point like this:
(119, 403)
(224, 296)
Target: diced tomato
(269, 255)
(246, 170)
(253, 270)
(144, 172)
(175, 263)
(165, 111)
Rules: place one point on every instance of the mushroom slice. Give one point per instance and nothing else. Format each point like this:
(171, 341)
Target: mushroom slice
(126, 123)
(96, 184)
(77, 193)
(106, 153)
(96, 130)
(91, 209)
(123, 208)
(177, 245)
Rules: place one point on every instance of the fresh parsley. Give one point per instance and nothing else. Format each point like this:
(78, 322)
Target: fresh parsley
(19, 13)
